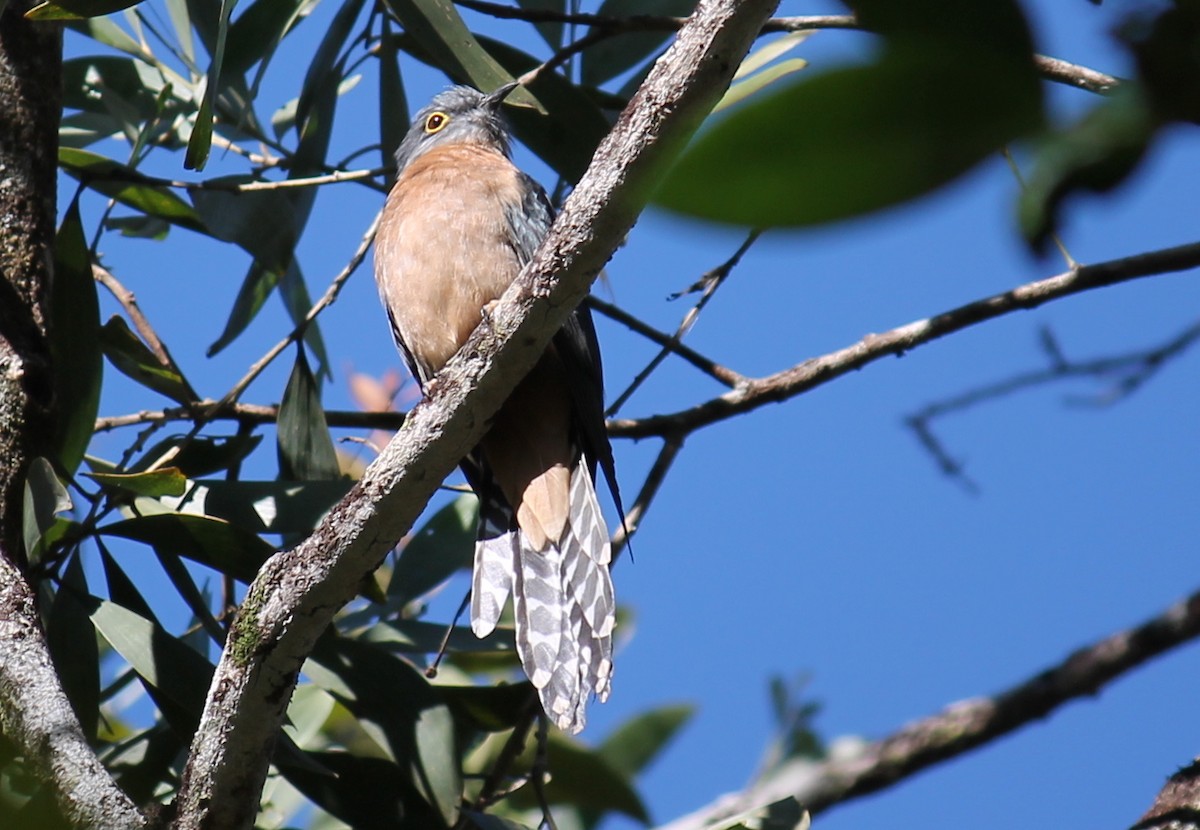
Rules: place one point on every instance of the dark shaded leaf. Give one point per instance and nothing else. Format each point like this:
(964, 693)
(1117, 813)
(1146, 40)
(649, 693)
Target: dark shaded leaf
(257, 32)
(449, 44)
(260, 222)
(490, 708)
(325, 68)
(551, 31)
(405, 636)
(1168, 59)
(1096, 155)
(567, 128)
(400, 710)
(139, 227)
(77, 9)
(86, 80)
(585, 780)
(128, 187)
(636, 743)
(304, 446)
(133, 358)
(167, 481)
(488, 821)
(285, 507)
(212, 542)
(614, 55)
(72, 642)
(201, 456)
(442, 546)
(294, 291)
(256, 287)
(366, 793)
(393, 104)
(74, 333)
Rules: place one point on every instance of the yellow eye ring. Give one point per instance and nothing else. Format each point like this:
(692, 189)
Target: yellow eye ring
(435, 121)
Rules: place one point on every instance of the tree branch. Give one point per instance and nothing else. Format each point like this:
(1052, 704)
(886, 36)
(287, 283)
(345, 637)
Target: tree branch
(36, 715)
(820, 370)
(963, 726)
(296, 593)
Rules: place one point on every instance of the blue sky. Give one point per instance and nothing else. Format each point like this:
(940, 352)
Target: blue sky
(816, 538)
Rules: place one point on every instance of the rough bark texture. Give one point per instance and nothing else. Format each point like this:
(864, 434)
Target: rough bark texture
(297, 592)
(30, 71)
(34, 712)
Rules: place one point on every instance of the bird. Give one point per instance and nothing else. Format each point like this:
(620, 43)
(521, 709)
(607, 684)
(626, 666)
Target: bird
(459, 223)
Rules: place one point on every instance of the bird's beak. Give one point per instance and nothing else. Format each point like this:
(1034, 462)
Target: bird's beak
(496, 97)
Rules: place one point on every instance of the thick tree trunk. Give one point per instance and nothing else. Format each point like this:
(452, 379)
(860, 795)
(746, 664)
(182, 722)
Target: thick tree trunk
(30, 100)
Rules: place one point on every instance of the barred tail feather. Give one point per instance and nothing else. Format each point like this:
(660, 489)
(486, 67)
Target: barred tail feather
(563, 602)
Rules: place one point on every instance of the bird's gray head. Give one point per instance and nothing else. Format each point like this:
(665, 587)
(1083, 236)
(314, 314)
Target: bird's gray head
(460, 115)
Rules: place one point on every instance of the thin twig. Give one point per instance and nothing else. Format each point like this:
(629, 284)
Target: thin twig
(722, 375)
(707, 285)
(672, 444)
(820, 370)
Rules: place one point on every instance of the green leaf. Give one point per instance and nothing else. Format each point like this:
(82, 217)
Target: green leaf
(179, 674)
(366, 793)
(201, 455)
(393, 104)
(882, 137)
(260, 222)
(490, 708)
(74, 331)
(567, 128)
(128, 187)
(445, 544)
(201, 141)
(551, 31)
(71, 639)
(133, 358)
(168, 481)
(446, 40)
(285, 507)
(294, 291)
(614, 55)
(256, 287)
(138, 227)
(489, 821)
(401, 711)
(325, 68)
(305, 448)
(77, 9)
(257, 32)
(945, 94)
(584, 780)
(218, 544)
(1095, 154)
(44, 498)
(640, 739)
(406, 636)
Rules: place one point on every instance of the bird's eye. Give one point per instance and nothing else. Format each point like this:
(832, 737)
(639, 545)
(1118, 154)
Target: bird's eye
(435, 122)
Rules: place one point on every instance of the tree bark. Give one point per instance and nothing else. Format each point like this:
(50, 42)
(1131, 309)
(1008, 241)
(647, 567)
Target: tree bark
(30, 98)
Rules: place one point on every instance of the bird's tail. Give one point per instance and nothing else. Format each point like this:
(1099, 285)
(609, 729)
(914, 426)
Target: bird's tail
(565, 612)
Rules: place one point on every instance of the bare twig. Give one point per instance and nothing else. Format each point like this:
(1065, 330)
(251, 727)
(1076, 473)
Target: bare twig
(963, 726)
(707, 285)
(818, 371)
(1132, 371)
(654, 479)
(724, 376)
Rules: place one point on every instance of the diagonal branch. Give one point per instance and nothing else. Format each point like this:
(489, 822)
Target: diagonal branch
(820, 370)
(297, 592)
(963, 726)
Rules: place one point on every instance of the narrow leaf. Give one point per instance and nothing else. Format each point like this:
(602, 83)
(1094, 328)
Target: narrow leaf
(445, 544)
(168, 481)
(305, 448)
(220, 545)
(128, 187)
(44, 498)
(72, 642)
(618, 54)
(201, 140)
(133, 358)
(74, 331)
